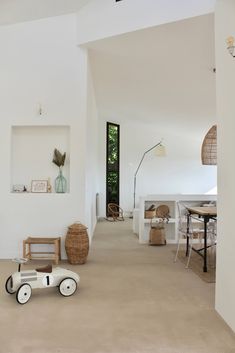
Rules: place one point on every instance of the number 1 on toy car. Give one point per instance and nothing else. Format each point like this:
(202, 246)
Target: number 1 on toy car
(47, 280)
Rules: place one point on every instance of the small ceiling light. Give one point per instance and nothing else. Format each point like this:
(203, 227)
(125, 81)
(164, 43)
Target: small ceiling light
(230, 47)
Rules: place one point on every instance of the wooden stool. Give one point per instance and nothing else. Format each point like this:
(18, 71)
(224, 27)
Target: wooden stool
(55, 255)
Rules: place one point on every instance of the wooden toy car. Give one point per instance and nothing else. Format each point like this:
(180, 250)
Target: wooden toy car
(22, 282)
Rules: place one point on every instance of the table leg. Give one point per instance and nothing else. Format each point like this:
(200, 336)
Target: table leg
(206, 219)
(24, 249)
(187, 235)
(57, 254)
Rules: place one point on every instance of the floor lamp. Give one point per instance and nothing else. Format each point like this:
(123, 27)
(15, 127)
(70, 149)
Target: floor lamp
(160, 152)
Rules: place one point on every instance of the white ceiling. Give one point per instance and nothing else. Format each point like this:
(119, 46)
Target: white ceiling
(162, 74)
(12, 11)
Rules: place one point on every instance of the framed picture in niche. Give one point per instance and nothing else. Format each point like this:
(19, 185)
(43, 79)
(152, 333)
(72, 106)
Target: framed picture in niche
(39, 186)
(19, 188)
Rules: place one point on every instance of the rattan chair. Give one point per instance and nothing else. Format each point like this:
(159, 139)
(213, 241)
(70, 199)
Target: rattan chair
(115, 212)
(163, 212)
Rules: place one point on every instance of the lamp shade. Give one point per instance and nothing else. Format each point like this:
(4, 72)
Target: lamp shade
(160, 151)
(209, 147)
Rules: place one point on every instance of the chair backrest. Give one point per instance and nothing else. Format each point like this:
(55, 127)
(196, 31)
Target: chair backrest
(182, 217)
(113, 207)
(195, 224)
(115, 210)
(163, 212)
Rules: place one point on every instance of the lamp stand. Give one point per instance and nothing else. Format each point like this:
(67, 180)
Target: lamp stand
(150, 149)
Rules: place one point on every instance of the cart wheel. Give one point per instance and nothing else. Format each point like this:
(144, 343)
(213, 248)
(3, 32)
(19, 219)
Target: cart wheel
(23, 293)
(67, 287)
(8, 286)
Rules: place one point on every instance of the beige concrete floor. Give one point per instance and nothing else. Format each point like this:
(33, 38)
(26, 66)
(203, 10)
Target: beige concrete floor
(132, 299)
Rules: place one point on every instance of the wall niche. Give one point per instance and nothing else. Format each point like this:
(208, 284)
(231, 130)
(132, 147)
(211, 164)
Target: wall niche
(32, 149)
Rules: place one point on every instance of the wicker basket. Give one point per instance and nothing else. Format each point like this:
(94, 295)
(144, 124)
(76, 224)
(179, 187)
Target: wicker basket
(150, 214)
(157, 235)
(77, 244)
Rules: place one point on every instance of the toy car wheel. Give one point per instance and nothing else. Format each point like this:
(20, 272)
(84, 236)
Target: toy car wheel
(23, 293)
(8, 286)
(67, 287)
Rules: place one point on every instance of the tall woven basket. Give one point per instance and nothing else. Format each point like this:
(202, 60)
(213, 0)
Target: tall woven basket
(77, 244)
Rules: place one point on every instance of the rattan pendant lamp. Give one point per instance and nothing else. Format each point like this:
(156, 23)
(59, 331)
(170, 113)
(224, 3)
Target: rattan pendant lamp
(209, 147)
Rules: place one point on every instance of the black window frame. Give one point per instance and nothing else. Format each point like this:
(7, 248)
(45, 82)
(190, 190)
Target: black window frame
(117, 167)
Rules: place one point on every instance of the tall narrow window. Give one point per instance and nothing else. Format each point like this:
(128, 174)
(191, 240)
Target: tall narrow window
(112, 164)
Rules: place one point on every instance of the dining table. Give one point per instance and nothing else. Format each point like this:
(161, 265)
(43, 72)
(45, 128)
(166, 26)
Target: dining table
(207, 214)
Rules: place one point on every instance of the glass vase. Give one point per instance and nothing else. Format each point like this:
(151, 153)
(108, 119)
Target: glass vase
(60, 183)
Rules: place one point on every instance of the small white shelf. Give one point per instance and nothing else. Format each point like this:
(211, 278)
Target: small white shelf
(157, 220)
(40, 193)
(142, 225)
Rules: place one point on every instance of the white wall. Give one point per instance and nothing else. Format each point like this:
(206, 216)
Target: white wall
(225, 68)
(102, 168)
(40, 62)
(180, 171)
(105, 18)
(91, 155)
